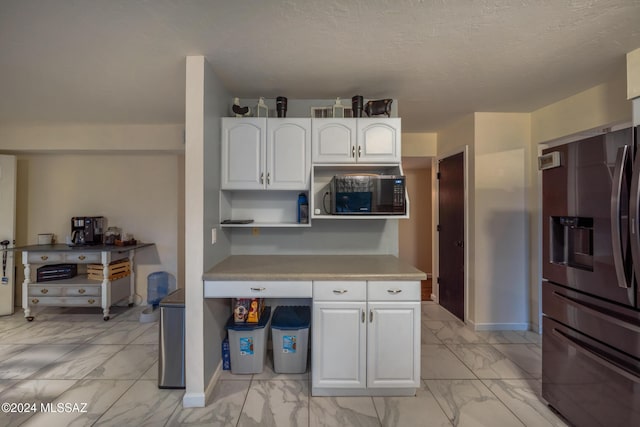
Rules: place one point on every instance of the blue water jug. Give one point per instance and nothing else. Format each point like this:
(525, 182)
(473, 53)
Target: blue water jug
(303, 209)
(157, 287)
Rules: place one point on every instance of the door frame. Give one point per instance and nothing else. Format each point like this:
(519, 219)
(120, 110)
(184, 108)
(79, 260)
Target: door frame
(436, 209)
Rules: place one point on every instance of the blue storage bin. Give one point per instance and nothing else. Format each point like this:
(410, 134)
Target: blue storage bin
(248, 344)
(290, 336)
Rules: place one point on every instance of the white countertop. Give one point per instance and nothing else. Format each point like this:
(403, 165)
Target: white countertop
(313, 267)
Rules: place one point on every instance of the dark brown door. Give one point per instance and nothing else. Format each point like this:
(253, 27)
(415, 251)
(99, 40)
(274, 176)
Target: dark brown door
(451, 234)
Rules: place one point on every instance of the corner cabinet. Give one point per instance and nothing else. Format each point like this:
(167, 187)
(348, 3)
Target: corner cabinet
(365, 338)
(259, 154)
(265, 154)
(361, 140)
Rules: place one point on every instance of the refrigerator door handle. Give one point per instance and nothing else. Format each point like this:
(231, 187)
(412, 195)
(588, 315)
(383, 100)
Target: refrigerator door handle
(616, 230)
(596, 357)
(634, 222)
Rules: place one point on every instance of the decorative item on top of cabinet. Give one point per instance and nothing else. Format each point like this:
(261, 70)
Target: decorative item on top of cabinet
(376, 108)
(238, 110)
(261, 108)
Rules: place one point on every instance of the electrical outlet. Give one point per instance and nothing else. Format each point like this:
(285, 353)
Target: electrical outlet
(255, 231)
(214, 235)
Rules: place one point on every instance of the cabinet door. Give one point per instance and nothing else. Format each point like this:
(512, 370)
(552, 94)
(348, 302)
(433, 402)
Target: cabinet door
(378, 140)
(243, 153)
(334, 140)
(288, 154)
(393, 344)
(338, 345)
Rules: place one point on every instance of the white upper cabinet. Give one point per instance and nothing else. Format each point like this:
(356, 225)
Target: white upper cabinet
(379, 140)
(243, 153)
(261, 153)
(334, 140)
(362, 140)
(288, 154)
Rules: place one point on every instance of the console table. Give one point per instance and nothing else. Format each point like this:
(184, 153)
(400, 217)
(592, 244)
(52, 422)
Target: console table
(81, 290)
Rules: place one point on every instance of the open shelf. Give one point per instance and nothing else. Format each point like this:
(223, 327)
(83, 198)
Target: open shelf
(267, 208)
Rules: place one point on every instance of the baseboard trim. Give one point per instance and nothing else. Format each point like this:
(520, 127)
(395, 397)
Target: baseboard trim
(193, 400)
(499, 326)
(199, 400)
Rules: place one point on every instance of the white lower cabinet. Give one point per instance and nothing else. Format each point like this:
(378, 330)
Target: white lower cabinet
(365, 338)
(339, 344)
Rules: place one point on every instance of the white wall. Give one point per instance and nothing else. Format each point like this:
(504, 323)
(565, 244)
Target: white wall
(124, 188)
(206, 101)
(500, 223)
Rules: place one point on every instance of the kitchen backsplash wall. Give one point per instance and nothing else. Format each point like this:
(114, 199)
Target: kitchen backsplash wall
(325, 237)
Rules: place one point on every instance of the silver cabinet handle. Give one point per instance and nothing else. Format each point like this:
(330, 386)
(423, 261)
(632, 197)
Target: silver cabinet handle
(35, 301)
(81, 257)
(258, 289)
(394, 291)
(262, 178)
(363, 316)
(268, 178)
(340, 291)
(44, 257)
(44, 291)
(91, 301)
(81, 291)
(353, 151)
(370, 316)
(359, 151)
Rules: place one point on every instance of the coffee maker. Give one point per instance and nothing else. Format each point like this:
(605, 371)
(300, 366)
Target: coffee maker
(87, 230)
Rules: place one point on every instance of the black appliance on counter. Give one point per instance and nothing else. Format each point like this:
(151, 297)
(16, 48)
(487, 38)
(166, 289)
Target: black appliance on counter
(87, 230)
(368, 194)
(590, 295)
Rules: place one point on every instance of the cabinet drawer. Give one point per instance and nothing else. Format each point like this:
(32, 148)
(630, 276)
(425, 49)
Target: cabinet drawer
(339, 291)
(82, 257)
(393, 291)
(86, 291)
(45, 257)
(257, 289)
(45, 291)
(66, 301)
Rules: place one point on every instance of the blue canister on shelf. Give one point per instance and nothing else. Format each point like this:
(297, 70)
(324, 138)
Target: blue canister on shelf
(303, 209)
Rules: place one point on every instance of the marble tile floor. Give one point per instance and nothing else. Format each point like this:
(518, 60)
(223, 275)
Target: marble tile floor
(70, 356)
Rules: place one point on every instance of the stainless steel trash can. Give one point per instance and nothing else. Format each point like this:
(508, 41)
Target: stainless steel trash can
(171, 357)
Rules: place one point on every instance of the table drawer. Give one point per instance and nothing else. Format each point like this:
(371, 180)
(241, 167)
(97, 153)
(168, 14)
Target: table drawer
(257, 289)
(66, 301)
(45, 291)
(86, 291)
(83, 257)
(393, 291)
(45, 257)
(339, 290)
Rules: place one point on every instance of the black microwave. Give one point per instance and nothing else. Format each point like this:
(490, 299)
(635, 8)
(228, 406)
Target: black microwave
(368, 194)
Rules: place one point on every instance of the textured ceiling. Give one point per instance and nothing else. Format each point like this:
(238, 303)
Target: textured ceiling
(123, 61)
